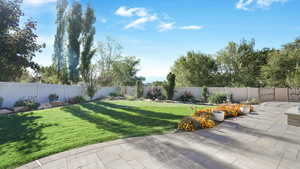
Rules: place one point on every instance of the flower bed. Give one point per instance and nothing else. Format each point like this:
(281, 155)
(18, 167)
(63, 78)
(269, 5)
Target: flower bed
(203, 118)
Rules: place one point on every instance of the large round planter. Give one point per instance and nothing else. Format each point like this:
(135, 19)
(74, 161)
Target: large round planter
(218, 115)
(245, 109)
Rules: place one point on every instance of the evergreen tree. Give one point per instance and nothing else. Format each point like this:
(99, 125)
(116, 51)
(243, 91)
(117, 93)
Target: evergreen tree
(170, 86)
(74, 31)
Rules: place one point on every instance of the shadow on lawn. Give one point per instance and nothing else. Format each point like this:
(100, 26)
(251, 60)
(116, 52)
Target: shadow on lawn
(22, 131)
(128, 121)
(146, 113)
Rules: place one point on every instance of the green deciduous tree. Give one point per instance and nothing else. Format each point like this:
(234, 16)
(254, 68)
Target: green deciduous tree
(125, 71)
(59, 60)
(74, 31)
(88, 32)
(240, 64)
(109, 52)
(195, 69)
(282, 67)
(91, 81)
(18, 45)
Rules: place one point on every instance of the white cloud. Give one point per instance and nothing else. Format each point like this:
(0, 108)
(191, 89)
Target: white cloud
(103, 20)
(38, 2)
(129, 12)
(137, 23)
(191, 27)
(247, 4)
(142, 14)
(166, 26)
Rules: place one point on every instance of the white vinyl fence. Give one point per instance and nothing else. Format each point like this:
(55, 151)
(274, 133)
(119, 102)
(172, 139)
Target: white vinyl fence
(12, 92)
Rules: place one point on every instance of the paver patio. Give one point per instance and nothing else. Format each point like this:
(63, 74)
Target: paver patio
(262, 140)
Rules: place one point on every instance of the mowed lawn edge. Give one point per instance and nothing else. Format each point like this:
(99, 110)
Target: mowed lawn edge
(25, 137)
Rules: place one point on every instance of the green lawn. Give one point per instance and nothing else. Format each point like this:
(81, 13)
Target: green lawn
(29, 136)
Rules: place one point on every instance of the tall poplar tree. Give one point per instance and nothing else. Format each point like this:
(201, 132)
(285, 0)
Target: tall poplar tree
(59, 60)
(88, 32)
(74, 31)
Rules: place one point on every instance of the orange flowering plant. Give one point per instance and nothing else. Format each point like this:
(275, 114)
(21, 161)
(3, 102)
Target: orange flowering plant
(202, 118)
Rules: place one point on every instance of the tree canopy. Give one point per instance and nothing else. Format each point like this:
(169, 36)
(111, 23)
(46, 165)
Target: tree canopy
(18, 44)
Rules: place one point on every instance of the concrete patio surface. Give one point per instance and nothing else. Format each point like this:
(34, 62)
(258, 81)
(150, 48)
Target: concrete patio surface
(262, 140)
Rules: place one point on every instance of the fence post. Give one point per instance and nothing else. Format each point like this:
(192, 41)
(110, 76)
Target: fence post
(288, 94)
(274, 95)
(259, 99)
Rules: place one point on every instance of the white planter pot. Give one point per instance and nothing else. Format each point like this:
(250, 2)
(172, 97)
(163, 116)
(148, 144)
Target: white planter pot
(245, 109)
(218, 115)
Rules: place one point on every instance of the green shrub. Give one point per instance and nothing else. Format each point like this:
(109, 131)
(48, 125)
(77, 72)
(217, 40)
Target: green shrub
(170, 85)
(205, 94)
(187, 97)
(91, 91)
(30, 102)
(217, 98)
(115, 94)
(139, 89)
(155, 93)
(53, 97)
(1, 101)
(76, 100)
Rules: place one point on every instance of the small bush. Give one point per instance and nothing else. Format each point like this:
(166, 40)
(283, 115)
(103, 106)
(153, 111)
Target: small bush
(76, 100)
(139, 89)
(131, 98)
(205, 94)
(155, 93)
(30, 102)
(189, 124)
(252, 101)
(53, 97)
(187, 97)
(1, 101)
(115, 94)
(91, 91)
(217, 98)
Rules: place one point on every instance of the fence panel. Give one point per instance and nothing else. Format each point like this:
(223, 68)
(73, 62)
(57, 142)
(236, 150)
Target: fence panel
(281, 94)
(74, 90)
(267, 94)
(253, 93)
(196, 91)
(238, 94)
(294, 94)
(12, 92)
(44, 90)
(104, 91)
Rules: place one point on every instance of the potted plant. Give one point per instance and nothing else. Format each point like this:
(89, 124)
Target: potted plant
(246, 109)
(53, 97)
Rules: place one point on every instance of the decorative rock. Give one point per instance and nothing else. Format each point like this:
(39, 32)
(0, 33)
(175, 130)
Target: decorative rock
(21, 109)
(5, 111)
(45, 106)
(57, 104)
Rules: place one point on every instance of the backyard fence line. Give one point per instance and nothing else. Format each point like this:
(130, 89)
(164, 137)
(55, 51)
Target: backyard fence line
(12, 92)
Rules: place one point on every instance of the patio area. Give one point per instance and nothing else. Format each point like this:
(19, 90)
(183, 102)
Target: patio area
(262, 140)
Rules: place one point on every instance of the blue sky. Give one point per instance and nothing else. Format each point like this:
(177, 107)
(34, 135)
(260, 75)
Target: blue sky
(160, 31)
